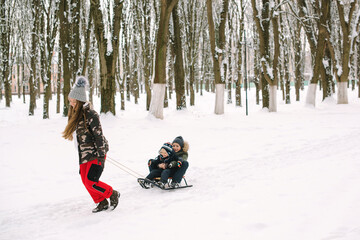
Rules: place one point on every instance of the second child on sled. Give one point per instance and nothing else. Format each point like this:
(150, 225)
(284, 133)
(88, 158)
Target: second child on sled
(171, 162)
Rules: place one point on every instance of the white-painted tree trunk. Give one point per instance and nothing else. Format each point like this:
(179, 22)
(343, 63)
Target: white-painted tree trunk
(219, 98)
(342, 93)
(157, 100)
(273, 98)
(311, 94)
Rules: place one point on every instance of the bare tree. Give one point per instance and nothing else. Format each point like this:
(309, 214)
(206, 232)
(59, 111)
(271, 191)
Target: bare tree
(143, 20)
(299, 61)
(192, 18)
(326, 73)
(126, 78)
(347, 42)
(108, 51)
(240, 13)
(5, 20)
(65, 43)
(285, 51)
(179, 63)
(269, 66)
(217, 49)
(324, 13)
(58, 84)
(49, 28)
(35, 6)
(157, 100)
(230, 55)
(87, 37)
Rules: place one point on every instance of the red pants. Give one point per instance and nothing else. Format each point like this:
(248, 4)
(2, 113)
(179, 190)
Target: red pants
(90, 173)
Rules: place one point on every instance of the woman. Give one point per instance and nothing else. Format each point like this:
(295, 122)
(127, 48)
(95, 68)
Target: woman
(85, 129)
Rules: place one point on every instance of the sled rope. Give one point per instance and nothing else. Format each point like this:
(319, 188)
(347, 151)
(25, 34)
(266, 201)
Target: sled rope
(123, 167)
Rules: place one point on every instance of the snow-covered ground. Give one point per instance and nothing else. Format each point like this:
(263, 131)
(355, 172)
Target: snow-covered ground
(290, 175)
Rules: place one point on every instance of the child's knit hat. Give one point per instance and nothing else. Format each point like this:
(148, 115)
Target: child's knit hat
(78, 91)
(168, 148)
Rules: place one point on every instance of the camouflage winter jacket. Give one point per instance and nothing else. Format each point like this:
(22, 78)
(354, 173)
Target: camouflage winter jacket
(91, 142)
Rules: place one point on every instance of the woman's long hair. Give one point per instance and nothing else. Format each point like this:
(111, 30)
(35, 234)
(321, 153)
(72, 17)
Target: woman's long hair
(75, 115)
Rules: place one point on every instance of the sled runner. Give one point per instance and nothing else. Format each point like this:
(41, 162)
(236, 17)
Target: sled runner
(155, 183)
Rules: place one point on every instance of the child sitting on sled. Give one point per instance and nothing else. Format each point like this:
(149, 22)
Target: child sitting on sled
(180, 148)
(164, 165)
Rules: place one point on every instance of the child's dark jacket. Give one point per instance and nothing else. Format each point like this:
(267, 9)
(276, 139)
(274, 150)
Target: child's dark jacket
(153, 164)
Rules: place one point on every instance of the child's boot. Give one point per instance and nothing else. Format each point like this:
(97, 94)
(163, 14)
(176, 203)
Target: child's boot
(103, 205)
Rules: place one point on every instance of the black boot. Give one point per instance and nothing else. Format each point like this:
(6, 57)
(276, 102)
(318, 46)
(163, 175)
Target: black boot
(114, 199)
(103, 205)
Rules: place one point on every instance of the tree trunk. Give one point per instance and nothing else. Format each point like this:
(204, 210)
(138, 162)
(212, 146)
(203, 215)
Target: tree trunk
(217, 52)
(5, 49)
(135, 83)
(107, 55)
(298, 61)
(122, 93)
(179, 63)
(33, 63)
(48, 32)
(127, 68)
(286, 49)
(257, 73)
(76, 40)
(65, 52)
(326, 74)
(120, 80)
(287, 76)
(239, 57)
(92, 77)
(230, 73)
(157, 101)
(18, 67)
(346, 28)
(325, 16)
(239, 80)
(148, 53)
(166, 101)
(264, 48)
(24, 81)
(58, 84)
(193, 27)
(281, 79)
(87, 46)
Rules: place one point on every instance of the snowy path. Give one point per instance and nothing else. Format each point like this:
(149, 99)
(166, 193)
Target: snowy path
(293, 175)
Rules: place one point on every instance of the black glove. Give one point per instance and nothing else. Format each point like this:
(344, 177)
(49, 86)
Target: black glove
(101, 162)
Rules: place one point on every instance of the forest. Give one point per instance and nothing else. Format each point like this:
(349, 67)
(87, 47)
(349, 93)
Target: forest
(178, 49)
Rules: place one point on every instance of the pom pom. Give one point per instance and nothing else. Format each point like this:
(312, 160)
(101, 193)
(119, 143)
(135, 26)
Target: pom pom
(81, 81)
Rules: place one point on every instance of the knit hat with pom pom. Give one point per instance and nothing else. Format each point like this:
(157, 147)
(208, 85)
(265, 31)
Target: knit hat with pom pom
(78, 91)
(168, 148)
(179, 140)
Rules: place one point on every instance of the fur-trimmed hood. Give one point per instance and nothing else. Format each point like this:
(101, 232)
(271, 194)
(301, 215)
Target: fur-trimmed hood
(186, 147)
